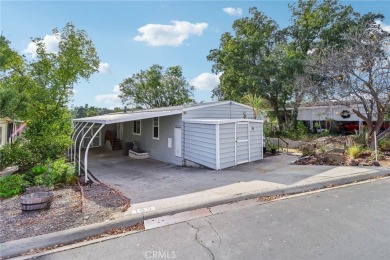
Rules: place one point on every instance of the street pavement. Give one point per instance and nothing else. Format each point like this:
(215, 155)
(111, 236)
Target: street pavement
(345, 223)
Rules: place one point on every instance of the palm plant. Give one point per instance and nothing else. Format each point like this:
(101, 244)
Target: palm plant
(256, 102)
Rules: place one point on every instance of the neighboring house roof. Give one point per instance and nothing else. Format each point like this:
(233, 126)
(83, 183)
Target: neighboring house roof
(149, 113)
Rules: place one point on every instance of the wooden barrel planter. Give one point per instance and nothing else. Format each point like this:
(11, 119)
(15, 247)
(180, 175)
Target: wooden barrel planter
(36, 200)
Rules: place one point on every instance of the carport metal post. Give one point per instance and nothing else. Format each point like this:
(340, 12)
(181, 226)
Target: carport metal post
(81, 142)
(86, 153)
(71, 148)
(75, 143)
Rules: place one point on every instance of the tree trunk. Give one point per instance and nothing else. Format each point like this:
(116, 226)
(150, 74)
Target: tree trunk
(277, 115)
(294, 117)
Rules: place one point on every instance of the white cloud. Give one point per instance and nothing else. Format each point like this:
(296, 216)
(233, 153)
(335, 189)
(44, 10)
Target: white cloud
(110, 100)
(206, 81)
(51, 44)
(116, 89)
(233, 11)
(169, 35)
(103, 67)
(385, 27)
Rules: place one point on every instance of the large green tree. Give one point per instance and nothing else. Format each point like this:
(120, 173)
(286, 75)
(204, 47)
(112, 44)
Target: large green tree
(14, 82)
(49, 79)
(253, 60)
(156, 88)
(316, 26)
(359, 74)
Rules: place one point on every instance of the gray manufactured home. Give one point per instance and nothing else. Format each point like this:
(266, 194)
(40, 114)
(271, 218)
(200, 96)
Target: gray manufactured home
(216, 135)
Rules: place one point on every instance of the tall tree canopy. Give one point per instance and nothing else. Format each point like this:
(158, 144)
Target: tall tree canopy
(253, 60)
(360, 74)
(45, 85)
(14, 82)
(156, 88)
(260, 58)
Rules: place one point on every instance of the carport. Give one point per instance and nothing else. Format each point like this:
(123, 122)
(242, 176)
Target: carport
(216, 135)
(86, 131)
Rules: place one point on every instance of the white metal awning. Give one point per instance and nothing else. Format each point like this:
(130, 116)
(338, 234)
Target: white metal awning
(126, 117)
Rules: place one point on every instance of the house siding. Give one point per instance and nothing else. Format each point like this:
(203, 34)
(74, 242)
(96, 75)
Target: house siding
(158, 149)
(220, 111)
(200, 144)
(227, 145)
(256, 139)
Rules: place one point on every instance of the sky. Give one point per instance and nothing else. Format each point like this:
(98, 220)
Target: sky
(131, 36)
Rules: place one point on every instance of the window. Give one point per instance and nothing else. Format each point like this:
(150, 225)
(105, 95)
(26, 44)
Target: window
(137, 127)
(156, 126)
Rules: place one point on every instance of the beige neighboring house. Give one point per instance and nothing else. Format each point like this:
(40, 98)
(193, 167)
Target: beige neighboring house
(9, 130)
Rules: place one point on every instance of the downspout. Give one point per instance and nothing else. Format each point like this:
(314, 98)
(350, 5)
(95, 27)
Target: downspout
(86, 153)
(81, 141)
(75, 143)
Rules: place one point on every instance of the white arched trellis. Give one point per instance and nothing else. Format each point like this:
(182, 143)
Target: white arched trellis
(86, 152)
(70, 153)
(75, 143)
(81, 142)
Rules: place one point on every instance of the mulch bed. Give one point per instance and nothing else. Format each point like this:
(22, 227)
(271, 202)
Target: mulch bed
(100, 203)
(339, 159)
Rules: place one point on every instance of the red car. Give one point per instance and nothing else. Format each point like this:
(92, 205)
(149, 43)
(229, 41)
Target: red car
(351, 127)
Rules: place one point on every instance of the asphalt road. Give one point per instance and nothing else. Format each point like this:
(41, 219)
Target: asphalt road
(347, 223)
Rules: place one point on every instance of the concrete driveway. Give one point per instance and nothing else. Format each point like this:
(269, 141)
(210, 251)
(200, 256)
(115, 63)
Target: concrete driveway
(149, 180)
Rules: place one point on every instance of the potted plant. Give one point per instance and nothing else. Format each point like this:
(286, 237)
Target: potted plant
(273, 148)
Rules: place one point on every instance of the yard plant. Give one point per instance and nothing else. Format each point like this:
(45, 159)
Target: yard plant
(52, 174)
(354, 151)
(11, 185)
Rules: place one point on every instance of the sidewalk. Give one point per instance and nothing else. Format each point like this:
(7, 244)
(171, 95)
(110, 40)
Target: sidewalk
(287, 179)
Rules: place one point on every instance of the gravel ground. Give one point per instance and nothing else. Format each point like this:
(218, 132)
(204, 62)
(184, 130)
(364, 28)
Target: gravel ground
(101, 203)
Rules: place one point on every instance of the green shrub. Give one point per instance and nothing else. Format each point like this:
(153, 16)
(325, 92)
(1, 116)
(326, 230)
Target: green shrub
(58, 172)
(33, 173)
(354, 151)
(384, 144)
(11, 185)
(16, 154)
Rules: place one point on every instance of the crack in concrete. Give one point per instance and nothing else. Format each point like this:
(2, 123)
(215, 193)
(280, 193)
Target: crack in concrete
(199, 242)
(216, 232)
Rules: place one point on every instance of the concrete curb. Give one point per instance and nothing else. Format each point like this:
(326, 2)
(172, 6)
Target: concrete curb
(18, 247)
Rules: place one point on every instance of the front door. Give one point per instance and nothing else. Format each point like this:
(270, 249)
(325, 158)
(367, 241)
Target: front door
(177, 140)
(242, 143)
